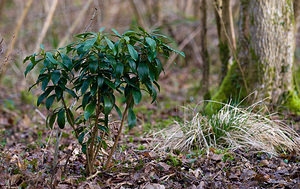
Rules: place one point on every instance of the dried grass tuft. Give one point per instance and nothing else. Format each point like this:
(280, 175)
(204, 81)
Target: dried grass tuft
(232, 127)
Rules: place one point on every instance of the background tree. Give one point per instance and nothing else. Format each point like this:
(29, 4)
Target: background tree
(204, 52)
(226, 35)
(265, 57)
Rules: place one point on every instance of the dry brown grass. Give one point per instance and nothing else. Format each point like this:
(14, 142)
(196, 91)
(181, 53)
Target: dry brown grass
(232, 127)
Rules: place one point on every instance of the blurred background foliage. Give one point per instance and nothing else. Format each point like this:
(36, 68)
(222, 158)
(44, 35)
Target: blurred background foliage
(54, 22)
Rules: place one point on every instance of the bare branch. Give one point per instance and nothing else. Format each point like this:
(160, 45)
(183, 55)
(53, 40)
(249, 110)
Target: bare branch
(46, 25)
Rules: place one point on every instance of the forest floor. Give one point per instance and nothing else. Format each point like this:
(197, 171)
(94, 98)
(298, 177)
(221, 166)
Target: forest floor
(27, 152)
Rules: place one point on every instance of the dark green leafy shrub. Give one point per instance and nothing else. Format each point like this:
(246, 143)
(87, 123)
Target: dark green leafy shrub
(92, 70)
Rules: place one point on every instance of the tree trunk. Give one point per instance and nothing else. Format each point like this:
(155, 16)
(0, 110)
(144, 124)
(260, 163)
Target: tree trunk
(266, 56)
(224, 21)
(296, 13)
(204, 52)
(2, 5)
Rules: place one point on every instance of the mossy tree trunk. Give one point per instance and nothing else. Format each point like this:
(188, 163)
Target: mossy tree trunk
(265, 56)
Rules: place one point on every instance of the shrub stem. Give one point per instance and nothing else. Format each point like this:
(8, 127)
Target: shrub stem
(69, 117)
(113, 149)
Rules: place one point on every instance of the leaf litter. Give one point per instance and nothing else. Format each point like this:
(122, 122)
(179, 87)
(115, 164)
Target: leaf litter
(26, 158)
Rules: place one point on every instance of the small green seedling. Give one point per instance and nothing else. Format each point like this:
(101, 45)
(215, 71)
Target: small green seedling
(92, 70)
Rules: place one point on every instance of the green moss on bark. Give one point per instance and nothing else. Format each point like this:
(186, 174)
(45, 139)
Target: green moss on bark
(231, 89)
(293, 102)
(224, 57)
(297, 80)
(259, 71)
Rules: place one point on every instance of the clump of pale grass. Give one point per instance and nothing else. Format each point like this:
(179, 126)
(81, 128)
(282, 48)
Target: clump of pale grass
(232, 127)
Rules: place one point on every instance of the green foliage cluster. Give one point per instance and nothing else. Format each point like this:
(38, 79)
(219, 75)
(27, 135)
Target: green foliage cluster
(92, 70)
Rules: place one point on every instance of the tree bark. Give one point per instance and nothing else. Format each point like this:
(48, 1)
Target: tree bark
(204, 52)
(2, 5)
(296, 13)
(266, 56)
(225, 28)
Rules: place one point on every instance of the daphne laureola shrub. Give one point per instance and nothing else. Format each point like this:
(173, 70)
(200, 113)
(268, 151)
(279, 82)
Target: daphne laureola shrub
(92, 70)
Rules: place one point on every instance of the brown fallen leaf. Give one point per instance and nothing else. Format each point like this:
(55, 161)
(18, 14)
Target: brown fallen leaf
(164, 165)
(248, 174)
(201, 185)
(62, 186)
(233, 177)
(264, 162)
(217, 157)
(154, 186)
(197, 172)
(150, 154)
(15, 179)
(262, 177)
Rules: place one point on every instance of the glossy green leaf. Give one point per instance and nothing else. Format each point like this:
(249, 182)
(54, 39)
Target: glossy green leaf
(55, 76)
(142, 29)
(71, 92)
(50, 101)
(152, 91)
(94, 89)
(174, 50)
(110, 45)
(89, 110)
(101, 29)
(27, 58)
(127, 39)
(103, 128)
(133, 53)
(43, 70)
(159, 65)
(85, 100)
(116, 32)
(108, 104)
(157, 85)
(28, 68)
(86, 34)
(83, 148)
(61, 119)
(81, 137)
(70, 117)
(119, 69)
(118, 111)
(45, 83)
(151, 42)
(132, 65)
(66, 61)
(52, 120)
(44, 95)
(85, 85)
(58, 92)
(137, 96)
(89, 43)
(100, 81)
(51, 58)
(93, 66)
(110, 84)
(131, 118)
(143, 71)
